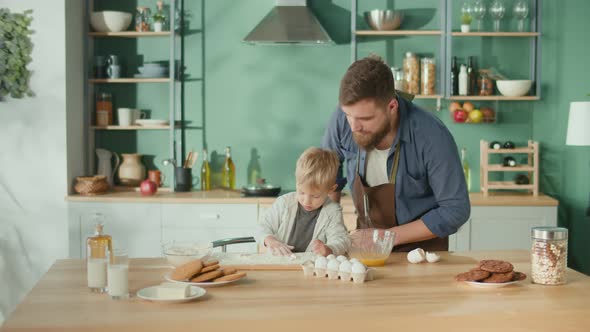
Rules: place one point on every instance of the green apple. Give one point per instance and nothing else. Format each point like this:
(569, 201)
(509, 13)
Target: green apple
(476, 116)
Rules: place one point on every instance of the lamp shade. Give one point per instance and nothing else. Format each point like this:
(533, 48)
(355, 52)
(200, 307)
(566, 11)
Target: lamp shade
(578, 127)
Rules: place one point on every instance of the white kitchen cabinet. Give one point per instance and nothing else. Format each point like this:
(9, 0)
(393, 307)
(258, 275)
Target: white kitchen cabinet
(501, 227)
(210, 222)
(135, 227)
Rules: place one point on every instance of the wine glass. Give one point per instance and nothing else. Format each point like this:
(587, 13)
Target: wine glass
(497, 10)
(479, 12)
(521, 11)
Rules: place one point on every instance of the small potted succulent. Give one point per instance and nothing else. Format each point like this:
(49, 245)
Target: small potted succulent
(159, 18)
(465, 22)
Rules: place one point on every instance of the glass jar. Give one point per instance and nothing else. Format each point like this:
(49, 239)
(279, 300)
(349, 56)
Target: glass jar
(428, 76)
(412, 73)
(485, 83)
(549, 255)
(142, 19)
(104, 109)
(398, 79)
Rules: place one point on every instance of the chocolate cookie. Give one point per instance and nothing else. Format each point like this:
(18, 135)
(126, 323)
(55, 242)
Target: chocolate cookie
(518, 276)
(495, 266)
(498, 278)
(473, 275)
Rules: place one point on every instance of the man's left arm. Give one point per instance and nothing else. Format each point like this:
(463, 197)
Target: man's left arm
(447, 180)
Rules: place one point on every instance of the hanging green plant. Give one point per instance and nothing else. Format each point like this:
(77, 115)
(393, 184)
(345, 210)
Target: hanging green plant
(15, 53)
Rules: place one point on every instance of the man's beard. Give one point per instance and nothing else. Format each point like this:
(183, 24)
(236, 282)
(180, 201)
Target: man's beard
(369, 141)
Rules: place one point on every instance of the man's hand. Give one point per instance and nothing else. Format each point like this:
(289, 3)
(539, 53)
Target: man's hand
(318, 247)
(277, 247)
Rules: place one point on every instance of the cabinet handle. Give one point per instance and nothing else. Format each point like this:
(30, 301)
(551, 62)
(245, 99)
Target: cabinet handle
(210, 216)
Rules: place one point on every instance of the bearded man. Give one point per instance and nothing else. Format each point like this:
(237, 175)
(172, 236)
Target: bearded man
(400, 160)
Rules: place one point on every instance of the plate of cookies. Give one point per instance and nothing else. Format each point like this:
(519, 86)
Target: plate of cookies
(204, 274)
(491, 273)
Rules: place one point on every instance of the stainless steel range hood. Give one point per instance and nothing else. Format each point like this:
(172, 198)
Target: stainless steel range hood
(289, 22)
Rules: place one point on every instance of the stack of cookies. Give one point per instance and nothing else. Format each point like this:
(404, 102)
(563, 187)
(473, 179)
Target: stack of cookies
(200, 271)
(492, 271)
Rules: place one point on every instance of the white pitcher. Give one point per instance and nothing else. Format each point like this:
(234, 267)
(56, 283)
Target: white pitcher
(105, 166)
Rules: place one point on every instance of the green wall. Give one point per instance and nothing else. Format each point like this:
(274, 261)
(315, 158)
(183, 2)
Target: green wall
(277, 99)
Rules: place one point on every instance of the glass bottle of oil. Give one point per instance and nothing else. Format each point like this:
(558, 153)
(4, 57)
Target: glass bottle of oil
(466, 170)
(228, 173)
(99, 248)
(205, 172)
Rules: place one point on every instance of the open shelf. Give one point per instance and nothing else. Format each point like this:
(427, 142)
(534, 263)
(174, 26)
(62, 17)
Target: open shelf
(509, 185)
(495, 34)
(398, 33)
(494, 98)
(130, 127)
(136, 189)
(130, 34)
(129, 80)
(427, 96)
(517, 168)
(511, 151)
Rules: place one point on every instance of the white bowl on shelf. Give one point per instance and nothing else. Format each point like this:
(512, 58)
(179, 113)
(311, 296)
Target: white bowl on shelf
(110, 21)
(514, 88)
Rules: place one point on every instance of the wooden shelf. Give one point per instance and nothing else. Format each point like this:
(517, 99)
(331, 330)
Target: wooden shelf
(136, 189)
(517, 168)
(511, 151)
(130, 34)
(427, 96)
(494, 98)
(398, 33)
(495, 34)
(509, 185)
(128, 80)
(130, 127)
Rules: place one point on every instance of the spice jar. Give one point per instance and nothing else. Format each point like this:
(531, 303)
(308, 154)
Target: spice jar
(142, 19)
(412, 73)
(428, 76)
(485, 83)
(549, 255)
(104, 109)
(398, 79)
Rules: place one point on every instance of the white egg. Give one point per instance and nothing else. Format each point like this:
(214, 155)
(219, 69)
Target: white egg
(330, 256)
(354, 260)
(432, 257)
(416, 256)
(321, 262)
(341, 258)
(358, 268)
(346, 267)
(333, 265)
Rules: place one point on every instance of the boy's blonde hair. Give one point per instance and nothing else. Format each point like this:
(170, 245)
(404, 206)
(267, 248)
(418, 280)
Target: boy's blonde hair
(317, 168)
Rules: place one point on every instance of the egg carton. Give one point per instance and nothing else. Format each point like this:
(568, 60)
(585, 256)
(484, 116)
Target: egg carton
(309, 270)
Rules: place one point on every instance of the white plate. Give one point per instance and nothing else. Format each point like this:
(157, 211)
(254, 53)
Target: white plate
(151, 122)
(490, 285)
(150, 294)
(150, 76)
(202, 284)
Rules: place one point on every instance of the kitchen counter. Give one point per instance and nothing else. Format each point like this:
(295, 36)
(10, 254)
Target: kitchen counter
(235, 197)
(421, 297)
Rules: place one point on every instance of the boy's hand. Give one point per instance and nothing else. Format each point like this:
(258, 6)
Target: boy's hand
(277, 247)
(318, 247)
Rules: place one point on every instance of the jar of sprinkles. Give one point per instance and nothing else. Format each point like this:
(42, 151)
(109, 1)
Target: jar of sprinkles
(549, 255)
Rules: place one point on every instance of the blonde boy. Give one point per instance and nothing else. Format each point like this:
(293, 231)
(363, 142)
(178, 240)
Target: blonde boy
(307, 220)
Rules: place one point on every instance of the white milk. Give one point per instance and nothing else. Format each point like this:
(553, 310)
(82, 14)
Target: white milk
(97, 272)
(118, 278)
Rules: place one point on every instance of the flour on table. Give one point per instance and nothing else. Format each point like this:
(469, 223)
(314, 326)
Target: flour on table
(261, 259)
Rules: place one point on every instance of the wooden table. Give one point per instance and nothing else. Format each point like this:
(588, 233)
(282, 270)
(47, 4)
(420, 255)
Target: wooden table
(421, 297)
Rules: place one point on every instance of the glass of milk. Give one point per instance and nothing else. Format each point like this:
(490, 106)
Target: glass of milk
(118, 275)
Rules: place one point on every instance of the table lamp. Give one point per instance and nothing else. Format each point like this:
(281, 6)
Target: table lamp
(578, 127)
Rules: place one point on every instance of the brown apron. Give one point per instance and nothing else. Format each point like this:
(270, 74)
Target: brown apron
(381, 200)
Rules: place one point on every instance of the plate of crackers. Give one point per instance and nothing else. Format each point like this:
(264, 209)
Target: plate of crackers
(204, 274)
(491, 273)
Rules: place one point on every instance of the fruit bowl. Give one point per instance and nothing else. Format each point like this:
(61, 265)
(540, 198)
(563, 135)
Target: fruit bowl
(514, 88)
(178, 253)
(110, 21)
(372, 247)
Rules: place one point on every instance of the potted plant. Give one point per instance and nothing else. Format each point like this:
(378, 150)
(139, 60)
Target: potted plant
(159, 17)
(465, 22)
